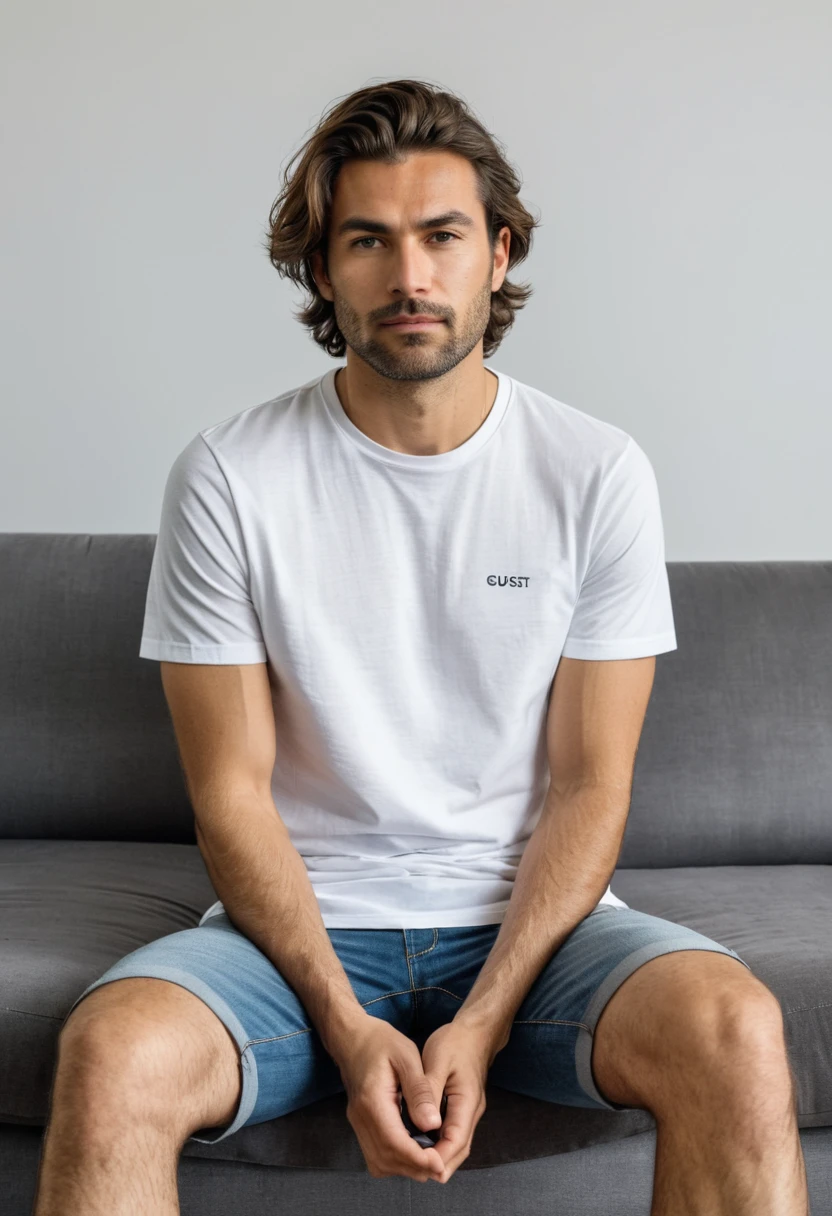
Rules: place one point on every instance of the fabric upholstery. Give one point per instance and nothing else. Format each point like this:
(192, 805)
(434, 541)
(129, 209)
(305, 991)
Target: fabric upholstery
(72, 908)
(730, 828)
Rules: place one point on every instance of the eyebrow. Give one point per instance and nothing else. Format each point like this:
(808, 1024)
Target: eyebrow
(359, 223)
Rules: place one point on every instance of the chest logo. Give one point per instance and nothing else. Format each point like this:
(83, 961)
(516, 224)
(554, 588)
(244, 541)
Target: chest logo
(508, 580)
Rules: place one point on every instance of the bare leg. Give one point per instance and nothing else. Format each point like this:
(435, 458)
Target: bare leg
(98, 1170)
(142, 1064)
(731, 1148)
(695, 1039)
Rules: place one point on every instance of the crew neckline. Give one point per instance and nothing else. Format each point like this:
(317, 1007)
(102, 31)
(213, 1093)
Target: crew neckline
(408, 460)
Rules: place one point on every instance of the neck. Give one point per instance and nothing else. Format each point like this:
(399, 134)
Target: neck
(418, 417)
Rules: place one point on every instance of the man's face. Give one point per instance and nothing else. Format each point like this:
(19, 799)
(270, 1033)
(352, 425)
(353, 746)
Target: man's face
(445, 273)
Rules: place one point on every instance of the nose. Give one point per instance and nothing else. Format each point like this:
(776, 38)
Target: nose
(411, 269)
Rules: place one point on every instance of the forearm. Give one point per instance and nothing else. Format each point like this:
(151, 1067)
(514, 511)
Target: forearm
(565, 868)
(262, 881)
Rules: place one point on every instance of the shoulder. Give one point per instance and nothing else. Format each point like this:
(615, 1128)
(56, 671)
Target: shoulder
(586, 447)
(248, 430)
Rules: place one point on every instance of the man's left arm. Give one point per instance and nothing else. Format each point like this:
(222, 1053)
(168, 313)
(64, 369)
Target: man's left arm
(595, 716)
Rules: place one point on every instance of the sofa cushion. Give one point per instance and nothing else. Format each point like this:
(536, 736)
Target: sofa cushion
(70, 909)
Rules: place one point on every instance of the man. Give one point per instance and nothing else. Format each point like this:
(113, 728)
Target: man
(407, 617)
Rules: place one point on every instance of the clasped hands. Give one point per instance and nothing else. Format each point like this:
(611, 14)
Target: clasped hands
(382, 1066)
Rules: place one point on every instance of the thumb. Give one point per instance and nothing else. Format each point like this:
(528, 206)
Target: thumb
(421, 1103)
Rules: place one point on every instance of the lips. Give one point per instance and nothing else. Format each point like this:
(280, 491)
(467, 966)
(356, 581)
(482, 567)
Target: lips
(414, 321)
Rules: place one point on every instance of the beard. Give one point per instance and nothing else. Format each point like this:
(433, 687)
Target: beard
(414, 355)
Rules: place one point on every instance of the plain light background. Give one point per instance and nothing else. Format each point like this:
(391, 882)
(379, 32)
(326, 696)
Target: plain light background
(676, 154)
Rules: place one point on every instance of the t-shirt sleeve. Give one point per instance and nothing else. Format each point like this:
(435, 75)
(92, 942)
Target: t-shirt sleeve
(198, 607)
(624, 609)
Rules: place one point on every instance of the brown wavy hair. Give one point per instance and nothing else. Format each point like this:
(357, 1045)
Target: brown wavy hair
(386, 122)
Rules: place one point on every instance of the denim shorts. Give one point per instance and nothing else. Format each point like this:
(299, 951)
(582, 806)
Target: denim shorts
(415, 979)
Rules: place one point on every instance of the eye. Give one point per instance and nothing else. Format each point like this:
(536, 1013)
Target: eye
(360, 241)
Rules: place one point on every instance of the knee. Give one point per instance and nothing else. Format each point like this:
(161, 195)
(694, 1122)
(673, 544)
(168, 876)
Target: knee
(749, 1019)
(737, 1056)
(113, 1066)
(735, 1030)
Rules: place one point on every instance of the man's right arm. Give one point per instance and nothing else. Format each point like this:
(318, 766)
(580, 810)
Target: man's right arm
(224, 725)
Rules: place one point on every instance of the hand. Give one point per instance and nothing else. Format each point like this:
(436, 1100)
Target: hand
(377, 1066)
(456, 1059)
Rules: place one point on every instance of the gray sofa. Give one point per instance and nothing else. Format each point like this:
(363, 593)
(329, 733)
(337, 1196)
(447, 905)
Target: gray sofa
(730, 832)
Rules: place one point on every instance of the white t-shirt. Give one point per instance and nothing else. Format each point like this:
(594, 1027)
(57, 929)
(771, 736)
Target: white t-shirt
(414, 610)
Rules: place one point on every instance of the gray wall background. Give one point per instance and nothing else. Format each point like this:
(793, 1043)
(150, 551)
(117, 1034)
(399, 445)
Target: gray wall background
(678, 155)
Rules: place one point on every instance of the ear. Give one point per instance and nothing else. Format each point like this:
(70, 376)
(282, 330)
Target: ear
(319, 275)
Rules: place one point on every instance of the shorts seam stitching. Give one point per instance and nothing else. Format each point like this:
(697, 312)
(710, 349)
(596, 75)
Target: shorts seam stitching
(550, 1022)
(308, 1029)
(427, 949)
(414, 1013)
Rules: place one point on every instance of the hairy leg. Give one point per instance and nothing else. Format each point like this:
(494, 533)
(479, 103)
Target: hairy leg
(698, 1041)
(142, 1064)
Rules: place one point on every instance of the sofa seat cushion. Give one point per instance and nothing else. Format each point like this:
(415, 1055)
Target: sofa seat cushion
(70, 909)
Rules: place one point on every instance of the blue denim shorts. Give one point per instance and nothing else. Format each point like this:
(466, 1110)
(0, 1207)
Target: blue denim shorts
(415, 979)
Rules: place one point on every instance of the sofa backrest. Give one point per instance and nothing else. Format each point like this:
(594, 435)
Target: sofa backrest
(88, 750)
(734, 765)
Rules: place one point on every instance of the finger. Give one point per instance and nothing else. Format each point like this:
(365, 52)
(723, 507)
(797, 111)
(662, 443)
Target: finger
(400, 1149)
(422, 1107)
(458, 1127)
